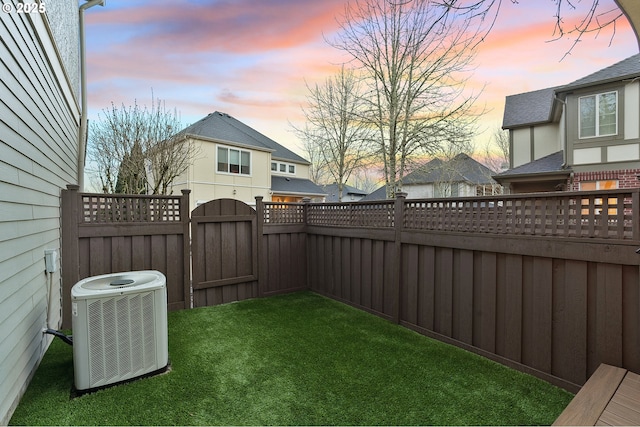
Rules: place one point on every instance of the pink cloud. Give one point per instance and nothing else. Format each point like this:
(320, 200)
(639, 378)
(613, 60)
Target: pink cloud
(245, 26)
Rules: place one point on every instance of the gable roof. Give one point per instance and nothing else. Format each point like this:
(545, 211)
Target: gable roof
(332, 192)
(528, 108)
(461, 168)
(627, 68)
(223, 127)
(550, 164)
(537, 107)
(379, 194)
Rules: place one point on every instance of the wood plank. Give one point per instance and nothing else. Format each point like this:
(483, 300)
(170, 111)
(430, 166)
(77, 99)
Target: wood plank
(627, 415)
(589, 403)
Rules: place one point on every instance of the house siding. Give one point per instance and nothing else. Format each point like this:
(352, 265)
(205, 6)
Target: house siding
(38, 156)
(207, 184)
(599, 151)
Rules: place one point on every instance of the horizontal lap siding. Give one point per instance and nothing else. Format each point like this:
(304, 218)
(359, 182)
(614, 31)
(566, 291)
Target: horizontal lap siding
(38, 155)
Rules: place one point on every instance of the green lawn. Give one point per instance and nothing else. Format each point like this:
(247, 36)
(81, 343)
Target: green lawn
(298, 359)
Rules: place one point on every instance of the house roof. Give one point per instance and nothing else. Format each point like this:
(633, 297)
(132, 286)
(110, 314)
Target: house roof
(223, 127)
(528, 108)
(627, 68)
(300, 186)
(332, 191)
(461, 168)
(549, 165)
(379, 194)
(536, 107)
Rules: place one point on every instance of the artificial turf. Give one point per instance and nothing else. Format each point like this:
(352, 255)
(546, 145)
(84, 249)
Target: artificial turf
(297, 359)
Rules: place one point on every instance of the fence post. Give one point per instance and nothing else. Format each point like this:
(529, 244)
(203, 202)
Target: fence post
(185, 217)
(259, 242)
(70, 253)
(398, 225)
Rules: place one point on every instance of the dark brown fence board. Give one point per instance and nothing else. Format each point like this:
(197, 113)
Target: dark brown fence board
(355, 260)
(367, 274)
(570, 320)
(444, 292)
(463, 297)
(609, 314)
(631, 318)
(426, 287)
(513, 307)
(410, 267)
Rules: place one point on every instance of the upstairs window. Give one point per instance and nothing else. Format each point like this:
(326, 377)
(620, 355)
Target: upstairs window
(598, 115)
(232, 160)
(283, 168)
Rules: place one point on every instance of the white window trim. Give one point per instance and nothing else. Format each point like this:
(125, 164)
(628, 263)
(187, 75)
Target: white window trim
(597, 116)
(286, 170)
(227, 147)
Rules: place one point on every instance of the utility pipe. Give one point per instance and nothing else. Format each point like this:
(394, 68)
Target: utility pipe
(82, 134)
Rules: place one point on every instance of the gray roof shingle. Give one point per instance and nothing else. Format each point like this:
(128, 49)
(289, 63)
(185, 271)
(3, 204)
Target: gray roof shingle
(332, 192)
(283, 184)
(528, 108)
(627, 68)
(461, 168)
(223, 127)
(537, 106)
(551, 163)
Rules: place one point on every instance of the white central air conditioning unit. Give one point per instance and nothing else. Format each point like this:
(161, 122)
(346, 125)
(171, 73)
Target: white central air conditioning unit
(119, 328)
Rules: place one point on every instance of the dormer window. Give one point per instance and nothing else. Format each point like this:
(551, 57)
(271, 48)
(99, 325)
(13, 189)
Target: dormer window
(598, 115)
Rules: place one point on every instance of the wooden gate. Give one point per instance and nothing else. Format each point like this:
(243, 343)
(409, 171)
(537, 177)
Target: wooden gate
(224, 252)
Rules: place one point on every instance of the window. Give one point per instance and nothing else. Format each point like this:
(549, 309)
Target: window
(283, 168)
(598, 115)
(232, 160)
(609, 184)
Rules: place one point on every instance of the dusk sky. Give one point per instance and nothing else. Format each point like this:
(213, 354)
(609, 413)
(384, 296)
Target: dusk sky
(251, 58)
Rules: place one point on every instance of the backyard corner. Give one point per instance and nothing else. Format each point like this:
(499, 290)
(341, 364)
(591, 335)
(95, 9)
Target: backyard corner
(297, 359)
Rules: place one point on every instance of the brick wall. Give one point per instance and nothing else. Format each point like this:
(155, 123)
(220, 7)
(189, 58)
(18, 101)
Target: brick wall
(627, 178)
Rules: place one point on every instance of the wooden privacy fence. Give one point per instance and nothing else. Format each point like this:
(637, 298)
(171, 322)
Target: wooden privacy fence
(546, 283)
(104, 234)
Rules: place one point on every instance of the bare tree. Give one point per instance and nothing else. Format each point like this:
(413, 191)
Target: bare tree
(137, 150)
(496, 151)
(415, 59)
(317, 170)
(595, 16)
(334, 125)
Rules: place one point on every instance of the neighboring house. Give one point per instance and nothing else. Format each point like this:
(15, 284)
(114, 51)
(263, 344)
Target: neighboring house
(39, 124)
(235, 161)
(581, 136)
(461, 176)
(349, 193)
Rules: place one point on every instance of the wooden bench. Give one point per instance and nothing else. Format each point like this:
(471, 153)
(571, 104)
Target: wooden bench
(610, 397)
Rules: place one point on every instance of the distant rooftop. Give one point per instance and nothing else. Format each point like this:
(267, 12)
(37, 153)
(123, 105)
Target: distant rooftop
(223, 127)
